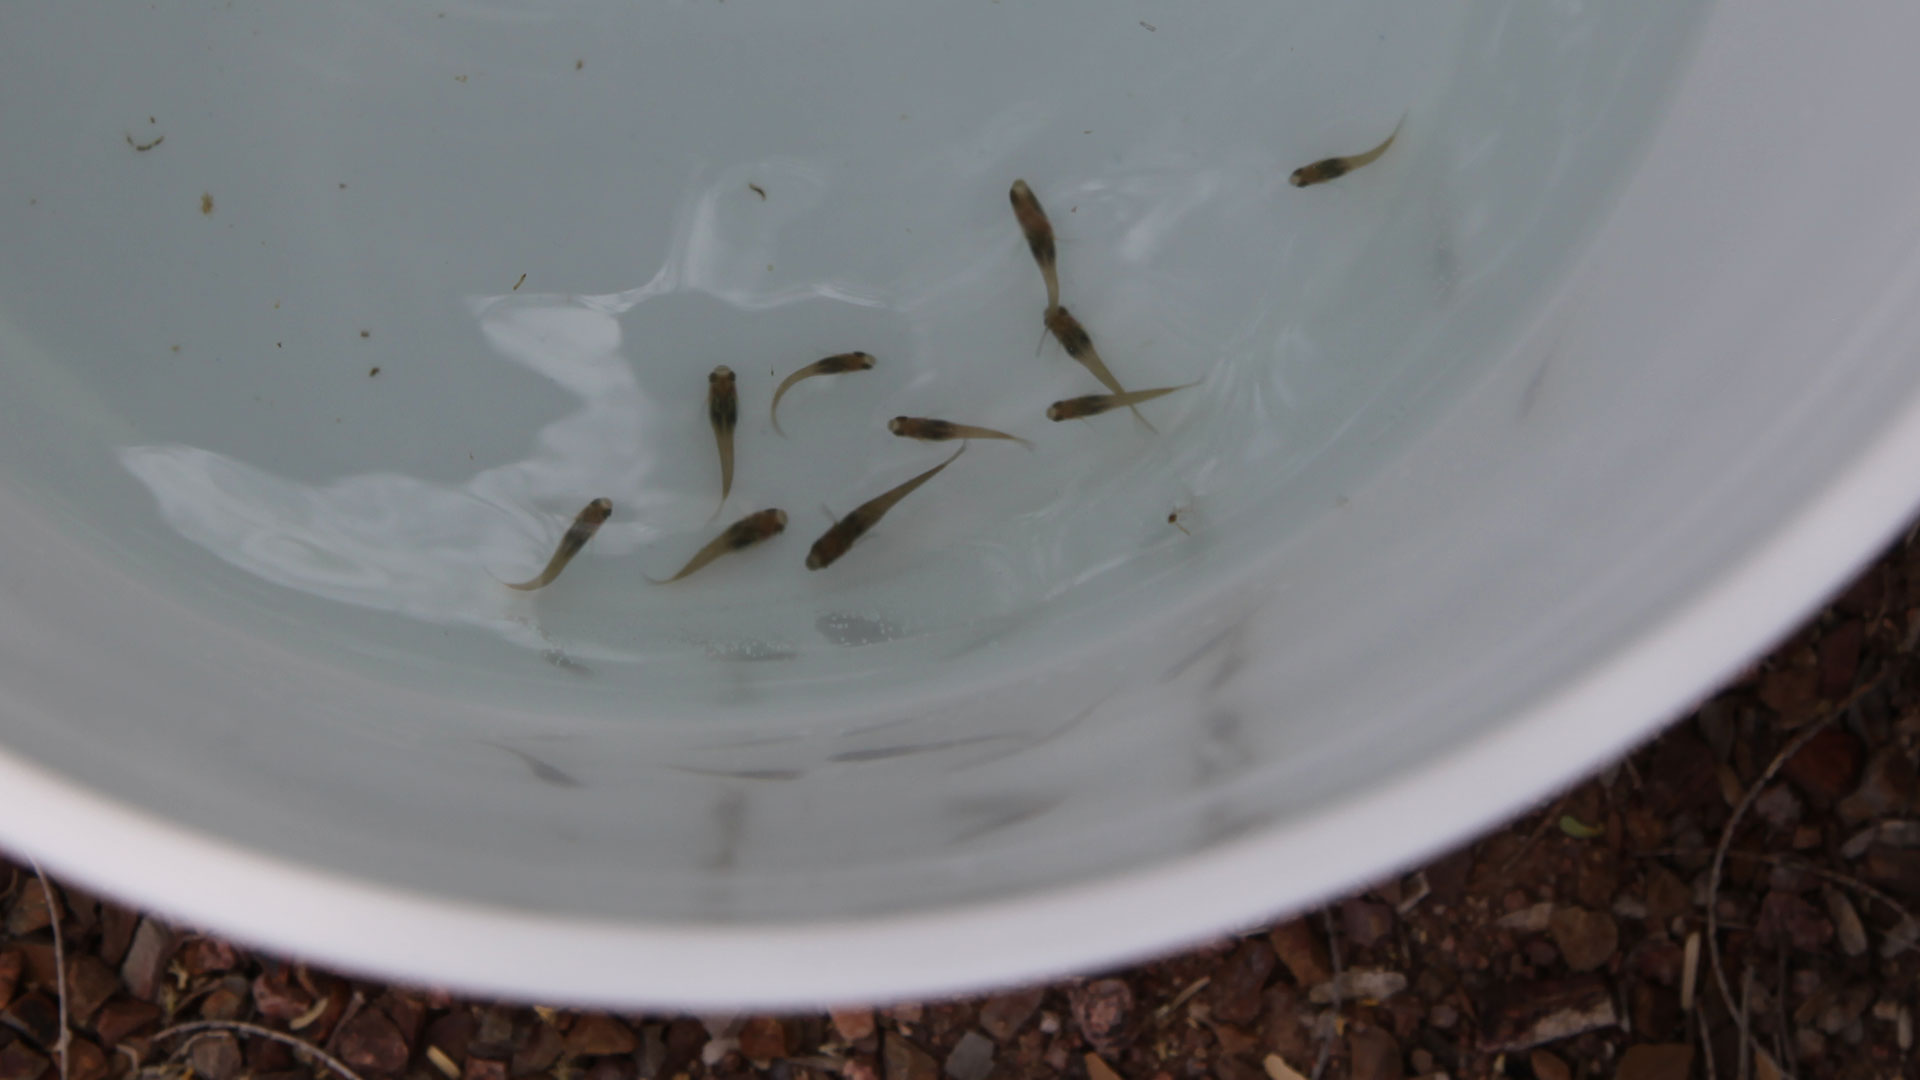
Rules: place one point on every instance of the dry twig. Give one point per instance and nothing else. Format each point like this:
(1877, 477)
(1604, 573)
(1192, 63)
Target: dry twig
(198, 1028)
(59, 966)
(1330, 1025)
(1720, 850)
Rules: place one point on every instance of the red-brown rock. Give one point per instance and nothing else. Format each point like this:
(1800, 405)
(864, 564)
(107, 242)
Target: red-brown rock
(216, 1057)
(763, 1038)
(1301, 950)
(853, 1025)
(593, 1034)
(370, 1041)
(1235, 991)
(1827, 766)
(147, 958)
(122, 1017)
(1003, 1015)
(1101, 1009)
(1374, 1055)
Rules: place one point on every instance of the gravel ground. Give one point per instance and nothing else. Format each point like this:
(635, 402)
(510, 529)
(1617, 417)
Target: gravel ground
(1731, 900)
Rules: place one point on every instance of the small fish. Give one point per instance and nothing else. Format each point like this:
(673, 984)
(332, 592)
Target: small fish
(746, 532)
(1074, 339)
(1094, 404)
(836, 540)
(581, 531)
(723, 409)
(1039, 231)
(837, 364)
(1334, 168)
(927, 429)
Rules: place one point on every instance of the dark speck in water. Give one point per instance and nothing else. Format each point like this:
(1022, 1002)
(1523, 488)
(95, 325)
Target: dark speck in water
(366, 333)
(517, 284)
(1148, 25)
(142, 148)
(578, 64)
(844, 629)
(559, 659)
(758, 190)
(371, 372)
(541, 769)
(206, 202)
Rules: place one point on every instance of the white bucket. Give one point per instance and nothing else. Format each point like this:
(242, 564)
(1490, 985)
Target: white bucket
(1507, 446)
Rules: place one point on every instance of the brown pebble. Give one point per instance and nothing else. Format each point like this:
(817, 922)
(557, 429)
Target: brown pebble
(19, 1062)
(204, 956)
(278, 996)
(1100, 1010)
(1003, 1015)
(116, 932)
(1586, 939)
(147, 959)
(406, 1011)
(29, 913)
(1235, 991)
(34, 1015)
(905, 1061)
(538, 1053)
(1301, 951)
(1373, 1055)
(597, 1033)
(453, 1034)
(225, 1002)
(1825, 768)
(763, 1038)
(1366, 922)
(119, 1019)
(370, 1041)
(86, 1061)
(216, 1057)
(852, 1025)
(1655, 1061)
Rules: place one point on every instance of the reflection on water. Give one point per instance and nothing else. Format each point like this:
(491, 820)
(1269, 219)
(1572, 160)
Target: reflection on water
(439, 551)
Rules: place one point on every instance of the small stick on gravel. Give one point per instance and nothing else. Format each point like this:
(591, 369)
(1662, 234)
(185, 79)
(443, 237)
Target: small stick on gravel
(59, 965)
(200, 1028)
(1733, 824)
(1746, 1002)
(1330, 1024)
(1706, 1044)
(1161, 1014)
